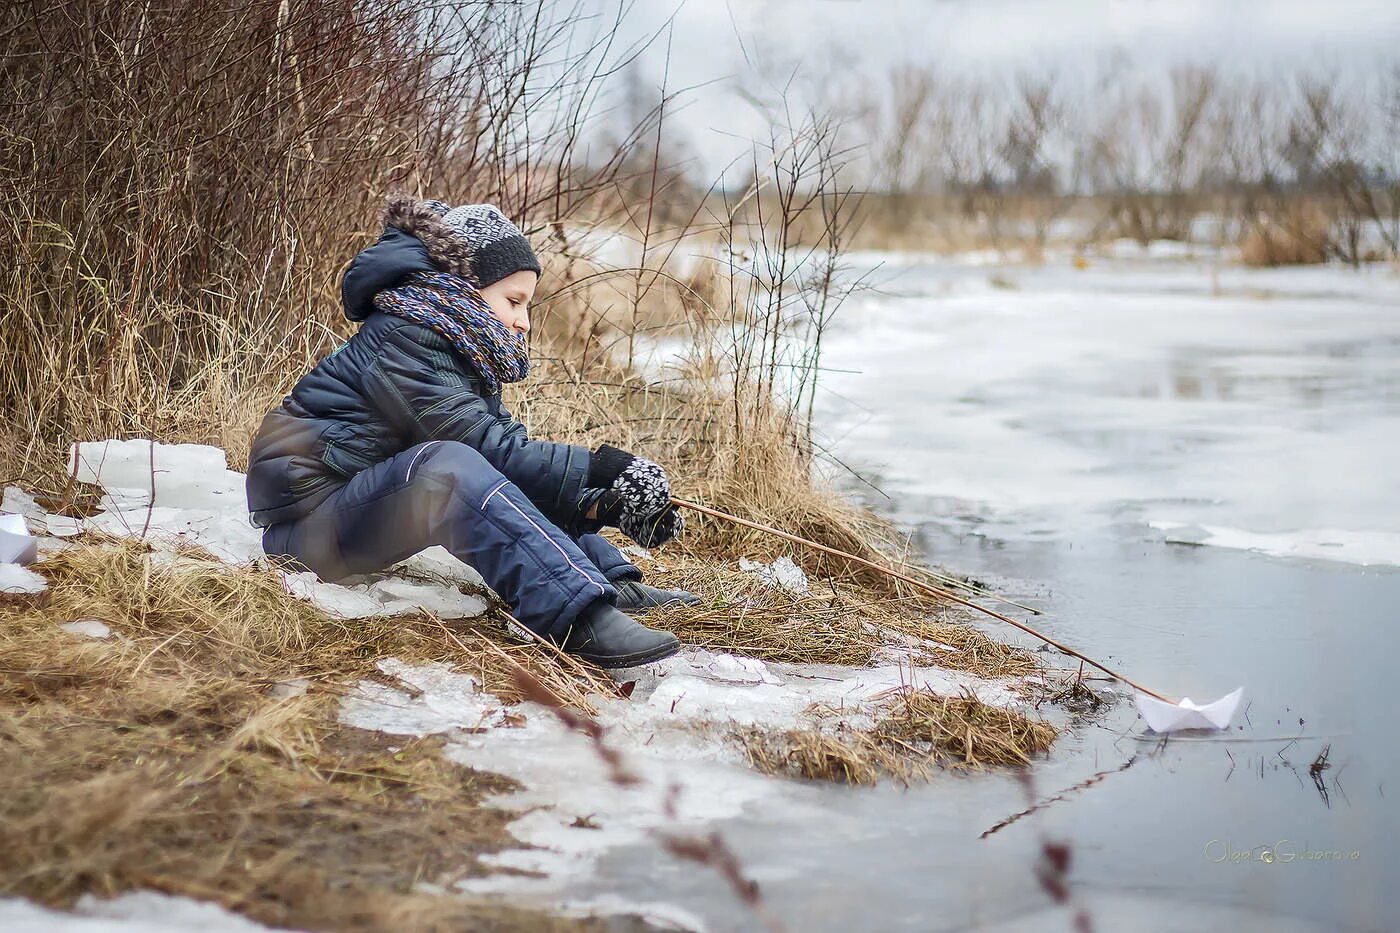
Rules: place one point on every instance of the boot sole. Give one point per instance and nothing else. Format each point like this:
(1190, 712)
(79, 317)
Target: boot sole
(634, 659)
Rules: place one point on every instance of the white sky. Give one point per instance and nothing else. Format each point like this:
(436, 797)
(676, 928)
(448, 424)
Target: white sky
(856, 37)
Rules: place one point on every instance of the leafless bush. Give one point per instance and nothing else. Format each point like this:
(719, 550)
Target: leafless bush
(183, 184)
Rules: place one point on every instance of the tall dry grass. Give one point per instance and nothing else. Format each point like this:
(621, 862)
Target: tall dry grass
(183, 184)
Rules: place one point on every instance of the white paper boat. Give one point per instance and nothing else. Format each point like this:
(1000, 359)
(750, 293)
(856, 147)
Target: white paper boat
(16, 546)
(1171, 717)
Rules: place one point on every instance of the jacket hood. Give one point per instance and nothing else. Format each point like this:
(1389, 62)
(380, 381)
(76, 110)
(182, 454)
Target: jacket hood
(414, 240)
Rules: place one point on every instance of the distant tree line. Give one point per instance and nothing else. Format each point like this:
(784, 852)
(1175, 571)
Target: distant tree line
(1307, 164)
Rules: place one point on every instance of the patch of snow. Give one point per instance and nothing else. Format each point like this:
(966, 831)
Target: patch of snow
(133, 912)
(90, 628)
(18, 502)
(286, 689)
(198, 501)
(62, 526)
(672, 731)
(21, 580)
(658, 915)
(229, 537)
(384, 596)
(781, 573)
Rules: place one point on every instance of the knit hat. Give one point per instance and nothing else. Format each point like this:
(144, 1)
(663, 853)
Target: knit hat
(497, 246)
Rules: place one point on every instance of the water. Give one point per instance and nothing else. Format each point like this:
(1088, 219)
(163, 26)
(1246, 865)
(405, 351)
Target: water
(1106, 444)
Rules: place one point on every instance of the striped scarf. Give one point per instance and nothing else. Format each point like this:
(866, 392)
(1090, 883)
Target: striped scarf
(451, 306)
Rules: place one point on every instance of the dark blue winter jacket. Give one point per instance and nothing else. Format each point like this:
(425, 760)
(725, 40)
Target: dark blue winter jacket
(393, 385)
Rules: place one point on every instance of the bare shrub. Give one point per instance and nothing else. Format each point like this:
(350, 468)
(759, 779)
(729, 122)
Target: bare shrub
(1299, 238)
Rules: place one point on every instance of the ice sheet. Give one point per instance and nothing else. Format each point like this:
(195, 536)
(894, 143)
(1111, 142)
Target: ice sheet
(1353, 547)
(1133, 391)
(673, 731)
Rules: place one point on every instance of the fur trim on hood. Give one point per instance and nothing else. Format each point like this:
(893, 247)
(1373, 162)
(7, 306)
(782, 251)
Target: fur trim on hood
(414, 217)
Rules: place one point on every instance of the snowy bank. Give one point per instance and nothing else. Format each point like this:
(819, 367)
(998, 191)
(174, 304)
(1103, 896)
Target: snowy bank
(675, 729)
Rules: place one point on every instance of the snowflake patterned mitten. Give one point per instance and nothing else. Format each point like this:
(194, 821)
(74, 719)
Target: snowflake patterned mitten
(639, 503)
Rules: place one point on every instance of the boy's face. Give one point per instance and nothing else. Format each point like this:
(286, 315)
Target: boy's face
(510, 299)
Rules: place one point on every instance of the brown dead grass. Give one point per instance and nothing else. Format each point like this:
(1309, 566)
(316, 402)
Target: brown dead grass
(163, 758)
(834, 623)
(1300, 237)
(917, 732)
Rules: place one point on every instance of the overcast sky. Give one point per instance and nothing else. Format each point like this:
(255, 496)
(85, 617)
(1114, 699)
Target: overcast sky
(716, 42)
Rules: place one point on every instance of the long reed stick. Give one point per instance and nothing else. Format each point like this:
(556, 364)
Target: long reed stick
(936, 590)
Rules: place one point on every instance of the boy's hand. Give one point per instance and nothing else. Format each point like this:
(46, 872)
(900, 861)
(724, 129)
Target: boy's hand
(654, 530)
(639, 503)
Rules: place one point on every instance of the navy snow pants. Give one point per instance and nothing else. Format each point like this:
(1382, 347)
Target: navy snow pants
(446, 493)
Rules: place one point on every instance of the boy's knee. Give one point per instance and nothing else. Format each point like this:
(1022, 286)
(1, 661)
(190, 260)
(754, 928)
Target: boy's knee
(452, 463)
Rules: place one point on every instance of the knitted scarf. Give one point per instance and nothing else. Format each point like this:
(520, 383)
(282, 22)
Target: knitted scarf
(450, 305)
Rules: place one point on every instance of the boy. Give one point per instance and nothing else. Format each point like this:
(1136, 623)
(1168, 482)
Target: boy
(398, 441)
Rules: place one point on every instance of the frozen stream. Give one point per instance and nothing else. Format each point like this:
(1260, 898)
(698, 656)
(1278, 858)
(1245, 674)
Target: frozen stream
(1192, 467)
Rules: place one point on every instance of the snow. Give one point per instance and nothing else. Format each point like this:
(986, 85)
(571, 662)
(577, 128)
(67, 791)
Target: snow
(782, 573)
(133, 912)
(198, 500)
(89, 628)
(674, 732)
(21, 580)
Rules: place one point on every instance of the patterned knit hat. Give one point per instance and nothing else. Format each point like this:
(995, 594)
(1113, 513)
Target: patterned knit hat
(498, 248)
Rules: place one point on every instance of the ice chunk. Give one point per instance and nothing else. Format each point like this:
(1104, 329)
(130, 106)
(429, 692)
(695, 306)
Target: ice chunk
(332, 599)
(18, 502)
(781, 573)
(20, 580)
(191, 476)
(397, 595)
(16, 546)
(440, 561)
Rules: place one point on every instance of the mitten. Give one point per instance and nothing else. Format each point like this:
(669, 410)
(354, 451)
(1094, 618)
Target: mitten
(653, 530)
(644, 487)
(606, 464)
(639, 503)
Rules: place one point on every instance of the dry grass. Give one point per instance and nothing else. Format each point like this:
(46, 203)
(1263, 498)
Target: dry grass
(837, 622)
(916, 732)
(164, 758)
(1300, 238)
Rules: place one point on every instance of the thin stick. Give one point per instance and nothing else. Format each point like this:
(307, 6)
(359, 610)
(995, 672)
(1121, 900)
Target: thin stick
(936, 590)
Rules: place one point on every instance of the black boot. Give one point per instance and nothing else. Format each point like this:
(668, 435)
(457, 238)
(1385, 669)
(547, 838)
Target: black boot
(633, 594)
(609, 637)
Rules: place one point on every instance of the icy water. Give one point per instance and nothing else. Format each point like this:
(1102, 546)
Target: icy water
(1193, 470)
